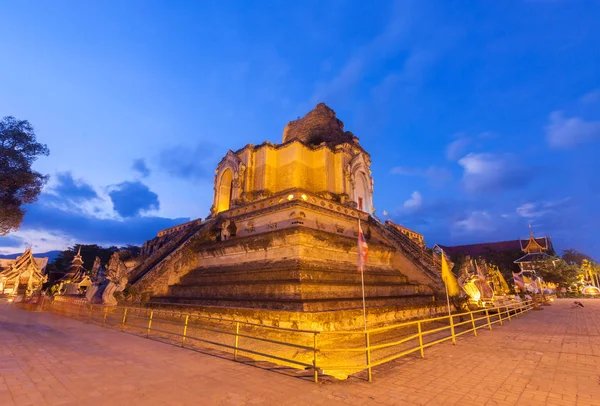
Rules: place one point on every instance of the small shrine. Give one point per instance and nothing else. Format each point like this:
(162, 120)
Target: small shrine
(536, 252)
(536, 256)
(22, 276)
(76, 281)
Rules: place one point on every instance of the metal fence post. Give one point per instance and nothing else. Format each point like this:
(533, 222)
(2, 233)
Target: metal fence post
(473, 323)
(149, 324)
(487, 315)
(315, 368)
(90, 314)
(124, 319)
(420, 339)
(452, 329)
(368, 343)
(237, 340)
(508, 313)
(104, 318)
(500, 316)
(187, 317)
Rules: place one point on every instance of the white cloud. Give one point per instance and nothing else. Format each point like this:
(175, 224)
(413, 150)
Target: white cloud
(415, 201)
(403, 170)
(435, 174)
(456, 148)
(477, 221)
(591, 97)
(564, 132)
(532, 210)
(491, 172)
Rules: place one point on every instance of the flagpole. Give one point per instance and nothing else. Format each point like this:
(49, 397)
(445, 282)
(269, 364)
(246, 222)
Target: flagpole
(362, 281)
(450, 318)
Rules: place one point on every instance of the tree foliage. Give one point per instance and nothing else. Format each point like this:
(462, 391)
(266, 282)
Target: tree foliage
(504, 260)
(19, 184)
(572, 256)
(559, 272)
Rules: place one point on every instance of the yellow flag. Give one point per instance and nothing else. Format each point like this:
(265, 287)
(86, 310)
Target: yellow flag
(449, 279)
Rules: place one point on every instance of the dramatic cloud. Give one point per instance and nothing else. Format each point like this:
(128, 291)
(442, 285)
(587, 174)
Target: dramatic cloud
(564, 132)
(11, 242)
(132, 198)
(76, 191)
(486, 172)
(532, 210)
(415, 201)
(475, 222)
(456, 148)
(436, 175)
(59, 225)
(139, 165)
(187, 163)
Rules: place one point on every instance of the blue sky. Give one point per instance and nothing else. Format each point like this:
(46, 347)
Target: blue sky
(480, 117)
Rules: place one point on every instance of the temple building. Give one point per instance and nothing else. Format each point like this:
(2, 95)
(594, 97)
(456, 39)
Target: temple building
(22, 276)
(282, 233)
(76, 280)
(536, 252)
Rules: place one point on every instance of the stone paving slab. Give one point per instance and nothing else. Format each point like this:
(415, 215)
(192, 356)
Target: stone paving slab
(546, 357)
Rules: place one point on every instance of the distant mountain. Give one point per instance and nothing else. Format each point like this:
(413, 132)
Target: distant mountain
(50, 254)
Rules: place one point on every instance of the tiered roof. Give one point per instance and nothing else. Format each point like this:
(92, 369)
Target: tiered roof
(76, 272)
(13, 268)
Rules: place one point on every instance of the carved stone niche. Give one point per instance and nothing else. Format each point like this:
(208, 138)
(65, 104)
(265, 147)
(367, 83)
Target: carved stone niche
(325, 195)
(250, 227)
(297, 217)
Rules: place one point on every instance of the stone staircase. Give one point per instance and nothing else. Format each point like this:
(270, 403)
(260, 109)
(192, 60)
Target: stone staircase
(297, 285)
(428, 263)
(154, 259)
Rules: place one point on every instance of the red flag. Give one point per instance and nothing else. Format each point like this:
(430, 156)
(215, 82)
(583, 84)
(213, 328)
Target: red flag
(363, 249)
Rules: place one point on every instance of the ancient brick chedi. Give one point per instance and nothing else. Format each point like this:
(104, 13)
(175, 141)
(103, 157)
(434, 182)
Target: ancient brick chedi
(282, 233)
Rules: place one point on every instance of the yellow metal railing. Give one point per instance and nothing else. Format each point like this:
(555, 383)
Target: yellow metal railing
(327, 352)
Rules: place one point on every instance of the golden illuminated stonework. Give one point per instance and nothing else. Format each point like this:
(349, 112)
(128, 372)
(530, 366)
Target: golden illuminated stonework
(316, 155)
(282, 235)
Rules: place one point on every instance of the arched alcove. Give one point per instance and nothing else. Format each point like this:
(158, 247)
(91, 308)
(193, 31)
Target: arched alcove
(362, 196)
(224, 190)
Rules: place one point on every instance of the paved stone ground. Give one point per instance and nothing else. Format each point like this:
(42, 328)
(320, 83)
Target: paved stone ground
(547, 357)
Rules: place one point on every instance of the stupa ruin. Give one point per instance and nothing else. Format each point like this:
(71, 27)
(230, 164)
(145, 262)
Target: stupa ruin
(282, 234)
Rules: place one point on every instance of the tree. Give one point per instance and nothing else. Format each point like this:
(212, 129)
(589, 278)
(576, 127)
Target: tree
(572, 256)
(559, 272)
(504, 260)
(19, 184)
(89, 252)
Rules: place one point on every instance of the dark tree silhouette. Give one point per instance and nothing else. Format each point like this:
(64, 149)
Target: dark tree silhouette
(19, 184)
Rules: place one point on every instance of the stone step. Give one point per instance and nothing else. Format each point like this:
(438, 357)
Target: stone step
(199, 277)
(314, 305)
(259, 290)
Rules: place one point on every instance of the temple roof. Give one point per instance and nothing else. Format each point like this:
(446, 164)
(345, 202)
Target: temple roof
(533, 245)
(76, 272)
(317, 126)
(481, 249)
(535, 257)
(11, 268)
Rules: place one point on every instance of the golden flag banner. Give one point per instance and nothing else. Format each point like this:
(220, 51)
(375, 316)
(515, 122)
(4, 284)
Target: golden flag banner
(449, 279)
